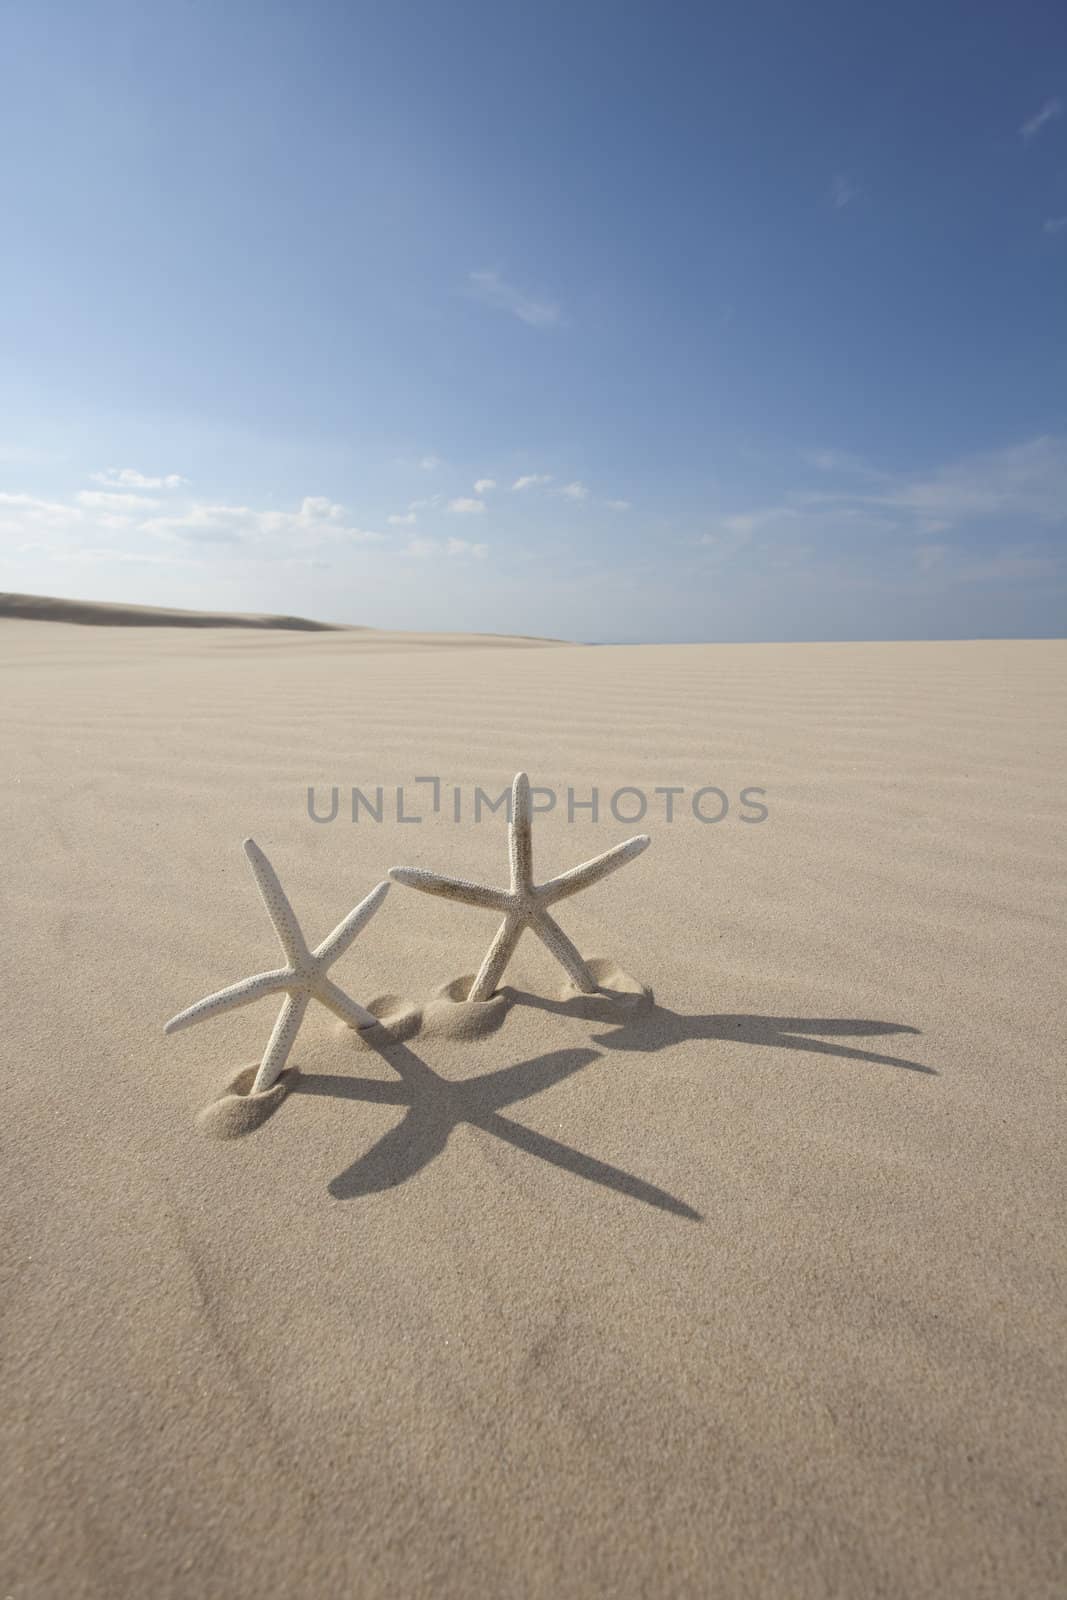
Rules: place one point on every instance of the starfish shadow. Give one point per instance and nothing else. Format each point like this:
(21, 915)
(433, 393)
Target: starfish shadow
(658, 1028)
(436, 1106)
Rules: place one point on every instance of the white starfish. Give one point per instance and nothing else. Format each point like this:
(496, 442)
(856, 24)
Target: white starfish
(525, 904)
(303, 978)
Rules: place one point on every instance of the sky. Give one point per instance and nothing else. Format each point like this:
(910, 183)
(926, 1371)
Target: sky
(605, 321)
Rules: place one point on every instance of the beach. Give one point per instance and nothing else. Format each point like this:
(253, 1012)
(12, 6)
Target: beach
(756, 1291)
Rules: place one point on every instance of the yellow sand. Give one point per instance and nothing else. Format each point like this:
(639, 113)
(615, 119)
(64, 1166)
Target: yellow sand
(791, 1322)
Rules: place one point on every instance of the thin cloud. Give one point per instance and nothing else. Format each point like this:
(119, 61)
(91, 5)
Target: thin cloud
(1054, 224)
(843, 191)
(617, 505)
(483, 485)
(430, 463)
(491, 290)
(400, 519)
(317, 521)
(467, 507)
(948, 564)
(88, 554)
(47, 513)
(575, 491)
(103, 500)
(1048, 113)
(1026, 481)
(130, 478)
(839, 461)
(532, 480)
(422, 549)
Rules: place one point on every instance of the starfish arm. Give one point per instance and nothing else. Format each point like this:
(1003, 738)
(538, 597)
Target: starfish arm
(583, 1166)
(279, 910)
(497, 957)
(552, 935)
(520, 840)
(581, 877)
(280, 1042)
(237, 994)
(472, 894)
(336, 943)
(341, 1005)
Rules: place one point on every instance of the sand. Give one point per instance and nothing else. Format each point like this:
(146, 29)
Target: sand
(757, 1292)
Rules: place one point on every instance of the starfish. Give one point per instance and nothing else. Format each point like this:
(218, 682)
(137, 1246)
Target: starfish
(525, 904)
(303, 978)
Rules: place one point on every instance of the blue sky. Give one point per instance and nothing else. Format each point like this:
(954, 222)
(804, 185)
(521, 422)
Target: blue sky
(605, 321)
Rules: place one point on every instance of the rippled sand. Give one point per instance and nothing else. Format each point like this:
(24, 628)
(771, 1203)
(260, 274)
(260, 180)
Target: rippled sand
(756, 1292)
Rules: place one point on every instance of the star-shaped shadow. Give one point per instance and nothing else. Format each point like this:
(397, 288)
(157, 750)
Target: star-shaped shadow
(658, 1028)
(436, 1106)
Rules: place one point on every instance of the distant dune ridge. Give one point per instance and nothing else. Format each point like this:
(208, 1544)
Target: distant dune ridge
(103, 613)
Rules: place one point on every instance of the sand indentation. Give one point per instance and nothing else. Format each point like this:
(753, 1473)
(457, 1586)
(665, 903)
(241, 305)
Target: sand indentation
(619, 996)
(448, 1011)
(237, 1111)
(398, 1019)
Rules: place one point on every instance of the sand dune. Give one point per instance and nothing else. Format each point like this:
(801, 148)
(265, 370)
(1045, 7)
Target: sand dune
(100, 613)
(51, 608)
(759, 1293)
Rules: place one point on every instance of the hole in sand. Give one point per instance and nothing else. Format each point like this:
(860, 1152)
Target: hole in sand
(617, 995)
(398, 1019)
(450, 1013)
(237, 1110)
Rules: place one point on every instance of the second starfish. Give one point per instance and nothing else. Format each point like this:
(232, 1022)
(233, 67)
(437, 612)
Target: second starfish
(525, 904)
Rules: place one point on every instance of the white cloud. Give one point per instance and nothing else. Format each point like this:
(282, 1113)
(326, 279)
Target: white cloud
(452, 547)
(467, 507)
(130, 478)
(532, 480)
(490, 288)
(205, 524)
(843, 191)
(47, 513)
(1048, 113)
(618, 505)
(317, 521)
(101, 500)
(575, 491)
(401, 519)
(483, 485)
(430, 463)
(1054, 224)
